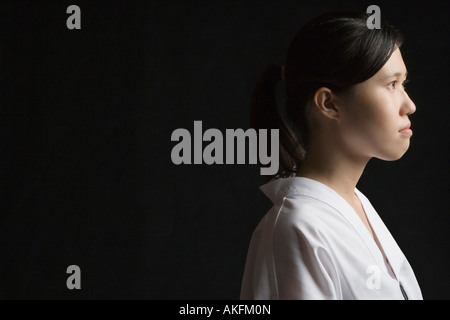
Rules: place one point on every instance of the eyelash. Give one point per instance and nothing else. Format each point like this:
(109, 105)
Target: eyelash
(395, 81)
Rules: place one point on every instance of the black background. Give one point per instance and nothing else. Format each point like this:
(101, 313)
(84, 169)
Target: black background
(86, 118)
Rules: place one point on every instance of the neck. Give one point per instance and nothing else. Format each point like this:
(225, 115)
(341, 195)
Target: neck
(337, 170)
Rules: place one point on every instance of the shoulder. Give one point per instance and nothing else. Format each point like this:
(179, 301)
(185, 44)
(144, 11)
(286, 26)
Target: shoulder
(306, 209)
(304, 205)
(306, 216)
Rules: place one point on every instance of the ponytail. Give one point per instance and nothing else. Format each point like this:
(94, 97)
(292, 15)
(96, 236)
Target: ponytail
(266, 115)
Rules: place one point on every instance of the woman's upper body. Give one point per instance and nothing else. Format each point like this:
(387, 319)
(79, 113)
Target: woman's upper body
(312, 245)
(346, 100)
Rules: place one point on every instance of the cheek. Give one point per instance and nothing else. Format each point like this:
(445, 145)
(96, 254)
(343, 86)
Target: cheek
(369, 126)
(360, 119)
(372, 109)
(375, 134)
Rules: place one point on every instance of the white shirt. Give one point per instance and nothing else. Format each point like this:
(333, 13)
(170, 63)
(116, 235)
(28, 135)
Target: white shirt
(313, 245)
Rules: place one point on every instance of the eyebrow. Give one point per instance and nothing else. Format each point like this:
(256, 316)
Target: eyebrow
(397, 74)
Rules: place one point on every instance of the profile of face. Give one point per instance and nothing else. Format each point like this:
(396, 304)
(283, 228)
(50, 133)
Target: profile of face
(374, 118)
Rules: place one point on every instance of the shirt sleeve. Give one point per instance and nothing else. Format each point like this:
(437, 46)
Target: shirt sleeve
(304, 268)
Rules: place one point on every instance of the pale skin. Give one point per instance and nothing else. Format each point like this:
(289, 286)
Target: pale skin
(348, 130)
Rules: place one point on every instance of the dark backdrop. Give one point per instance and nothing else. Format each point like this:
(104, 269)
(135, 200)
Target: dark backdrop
(86, 118)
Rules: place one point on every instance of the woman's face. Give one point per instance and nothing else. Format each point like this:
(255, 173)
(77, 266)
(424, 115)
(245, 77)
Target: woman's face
(374, 120)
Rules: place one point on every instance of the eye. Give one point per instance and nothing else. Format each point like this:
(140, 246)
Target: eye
(392, 84)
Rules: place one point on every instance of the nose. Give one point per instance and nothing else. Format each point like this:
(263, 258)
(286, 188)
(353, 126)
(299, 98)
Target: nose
(408, 106)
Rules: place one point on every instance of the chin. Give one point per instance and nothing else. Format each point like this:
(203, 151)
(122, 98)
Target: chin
(393, 155)
(392, 158)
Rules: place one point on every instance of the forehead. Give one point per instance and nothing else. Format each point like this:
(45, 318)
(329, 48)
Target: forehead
(395, 66)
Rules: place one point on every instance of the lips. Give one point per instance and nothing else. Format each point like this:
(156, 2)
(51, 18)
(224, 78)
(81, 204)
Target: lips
(406, 130)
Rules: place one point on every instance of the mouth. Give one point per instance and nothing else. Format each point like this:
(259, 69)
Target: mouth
(406, 130)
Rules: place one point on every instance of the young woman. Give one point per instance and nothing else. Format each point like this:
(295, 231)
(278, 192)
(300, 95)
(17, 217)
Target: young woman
(346, 100)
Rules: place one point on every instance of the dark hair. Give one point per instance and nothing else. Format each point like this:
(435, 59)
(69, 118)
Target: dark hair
(335, 50)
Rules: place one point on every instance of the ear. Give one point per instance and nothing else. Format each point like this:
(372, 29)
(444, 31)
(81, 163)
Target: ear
(327, 103)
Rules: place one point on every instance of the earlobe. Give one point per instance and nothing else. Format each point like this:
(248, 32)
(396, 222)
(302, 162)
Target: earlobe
(325, 101)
